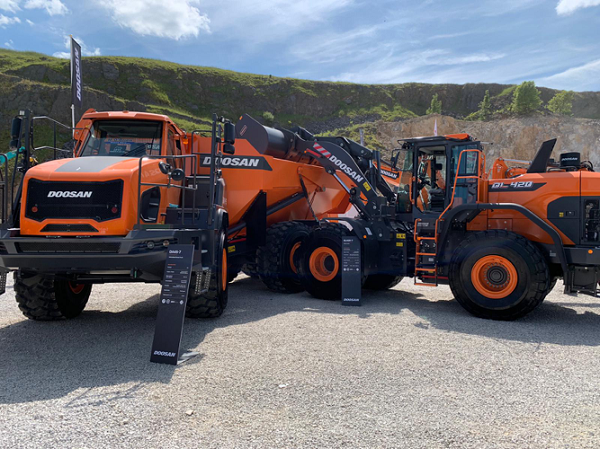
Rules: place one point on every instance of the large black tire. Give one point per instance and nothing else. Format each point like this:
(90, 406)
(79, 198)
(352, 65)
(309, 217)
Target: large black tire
(499, 275)
(212, 303)
(381, 281)
(278, 259)
(45, 298)
(320, 267)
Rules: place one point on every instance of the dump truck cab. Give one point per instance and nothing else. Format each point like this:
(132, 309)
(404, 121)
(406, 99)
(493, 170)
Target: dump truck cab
(96, 192)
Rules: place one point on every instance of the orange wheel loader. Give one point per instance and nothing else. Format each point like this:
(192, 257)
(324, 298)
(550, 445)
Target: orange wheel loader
(500, 239)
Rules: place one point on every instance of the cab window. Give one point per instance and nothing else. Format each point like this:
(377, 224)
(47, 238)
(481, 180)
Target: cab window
(125, 138)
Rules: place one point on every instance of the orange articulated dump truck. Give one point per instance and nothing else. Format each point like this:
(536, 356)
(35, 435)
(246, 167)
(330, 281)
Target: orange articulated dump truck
(136, 183)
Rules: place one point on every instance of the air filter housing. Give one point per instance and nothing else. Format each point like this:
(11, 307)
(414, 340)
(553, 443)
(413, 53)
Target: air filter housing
(570, 160)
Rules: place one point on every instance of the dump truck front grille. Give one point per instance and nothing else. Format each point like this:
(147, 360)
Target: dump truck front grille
(69, 228)
(100, 201)
(68, 247)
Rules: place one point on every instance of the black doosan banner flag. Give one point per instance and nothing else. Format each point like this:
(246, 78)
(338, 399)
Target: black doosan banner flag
(76, 81)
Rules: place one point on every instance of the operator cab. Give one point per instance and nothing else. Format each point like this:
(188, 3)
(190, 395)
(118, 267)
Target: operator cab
(428, 167)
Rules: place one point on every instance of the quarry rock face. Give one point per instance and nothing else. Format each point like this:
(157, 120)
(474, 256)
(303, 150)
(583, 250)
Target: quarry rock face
(512, 138)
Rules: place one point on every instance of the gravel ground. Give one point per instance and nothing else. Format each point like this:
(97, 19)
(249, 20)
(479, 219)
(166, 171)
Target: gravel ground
(408, 369)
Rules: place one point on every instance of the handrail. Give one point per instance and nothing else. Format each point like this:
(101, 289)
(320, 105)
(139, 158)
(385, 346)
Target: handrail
(168, 185)
(4, 186)
(480, 164)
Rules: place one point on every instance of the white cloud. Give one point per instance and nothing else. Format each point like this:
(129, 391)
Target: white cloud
(4, 21)
(252, 22)
(175, 19)
(85, 50)
(584, 77)
(9, 44)
(9, 5)
(29, 22)
(430, 65)
(567, 7)
(52, 7)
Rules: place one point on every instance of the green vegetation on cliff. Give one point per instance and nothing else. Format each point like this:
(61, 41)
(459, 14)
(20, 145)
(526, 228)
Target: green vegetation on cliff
(190, 94)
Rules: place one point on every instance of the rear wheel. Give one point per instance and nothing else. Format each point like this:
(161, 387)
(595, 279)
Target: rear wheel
(213, 302)
(499, 275)
(278, 259)
(45, 298)
(320, 267)
(381, 281)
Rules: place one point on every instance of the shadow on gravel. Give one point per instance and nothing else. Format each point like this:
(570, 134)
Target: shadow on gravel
(42, 361)
(549, 323)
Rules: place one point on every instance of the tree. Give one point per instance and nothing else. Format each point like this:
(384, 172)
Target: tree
(485, 107)
(269, 118)
(436, 106)
(562, 103)
(526, 98)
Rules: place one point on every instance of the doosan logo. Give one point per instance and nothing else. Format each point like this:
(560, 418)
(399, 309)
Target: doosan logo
(346, 169)
(68, 194)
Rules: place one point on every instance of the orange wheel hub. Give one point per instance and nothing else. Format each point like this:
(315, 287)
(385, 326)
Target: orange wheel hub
(324, 264)
(494, 277)
(292, 254)
(76, 288)
(224, 270)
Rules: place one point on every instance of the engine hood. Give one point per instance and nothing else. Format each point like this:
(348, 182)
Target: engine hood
(90, 168)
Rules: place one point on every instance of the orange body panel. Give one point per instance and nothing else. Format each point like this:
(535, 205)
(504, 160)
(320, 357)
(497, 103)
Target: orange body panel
(282, 180)
(552, 186)
(126, 170)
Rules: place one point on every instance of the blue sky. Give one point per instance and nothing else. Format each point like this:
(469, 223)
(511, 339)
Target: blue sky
(553, 42)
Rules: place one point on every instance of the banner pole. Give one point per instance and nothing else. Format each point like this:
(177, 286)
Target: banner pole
(72, 104)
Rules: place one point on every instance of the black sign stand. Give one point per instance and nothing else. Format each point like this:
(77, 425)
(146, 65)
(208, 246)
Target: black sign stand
(171, 309)
(351, 272)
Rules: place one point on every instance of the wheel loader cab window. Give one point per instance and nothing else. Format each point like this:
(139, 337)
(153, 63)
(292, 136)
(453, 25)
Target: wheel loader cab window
(431, 179)
(405, 167)
(466, 190)
(124, 138)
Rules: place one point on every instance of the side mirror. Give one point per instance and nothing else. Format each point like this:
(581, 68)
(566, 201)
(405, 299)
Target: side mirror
(178, 174)
(228, 148)
(164, 168)
(395, 156)
(15, 132)
(229, 133)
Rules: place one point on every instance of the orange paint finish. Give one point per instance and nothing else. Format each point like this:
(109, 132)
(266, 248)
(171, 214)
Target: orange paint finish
(553, 185)
(126, 170)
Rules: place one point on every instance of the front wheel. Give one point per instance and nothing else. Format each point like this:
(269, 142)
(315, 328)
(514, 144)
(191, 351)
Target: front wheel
(42, 297)
(320, 267)
(213, 302)
(499, 275)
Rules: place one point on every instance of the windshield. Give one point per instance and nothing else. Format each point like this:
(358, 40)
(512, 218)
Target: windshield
(123, 138)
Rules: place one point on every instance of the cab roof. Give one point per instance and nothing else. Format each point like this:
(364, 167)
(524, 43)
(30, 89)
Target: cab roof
(461, 137)
(91, 114)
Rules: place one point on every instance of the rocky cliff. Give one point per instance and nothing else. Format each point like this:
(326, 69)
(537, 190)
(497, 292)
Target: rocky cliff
(511, 138)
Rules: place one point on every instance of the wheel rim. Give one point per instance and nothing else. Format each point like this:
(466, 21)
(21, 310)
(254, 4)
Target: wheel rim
(324, 264)
(494, 277)
(76, 288)
(292, 254)
(224, 270)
